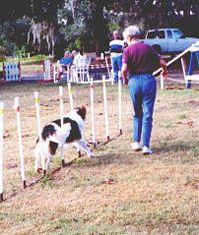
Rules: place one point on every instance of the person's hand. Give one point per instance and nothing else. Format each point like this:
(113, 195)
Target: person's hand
(125, 82)
(164, 73)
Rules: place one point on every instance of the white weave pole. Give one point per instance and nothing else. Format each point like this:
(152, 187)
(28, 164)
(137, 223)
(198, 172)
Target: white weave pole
(92, 112)
(62, 120)
(61, 105)
(1, 150)
(161, 82)
(70, 95)
(108, 70)
(120, 102)
(21, 156)
(37, 101)
(105, 108)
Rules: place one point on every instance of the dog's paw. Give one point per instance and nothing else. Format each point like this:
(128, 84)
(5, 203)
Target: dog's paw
(92, 155)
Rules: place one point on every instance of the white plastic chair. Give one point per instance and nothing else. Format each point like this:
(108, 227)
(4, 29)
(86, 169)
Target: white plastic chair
(80, 71)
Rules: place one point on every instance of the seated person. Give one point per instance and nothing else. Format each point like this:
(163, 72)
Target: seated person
(64, 63)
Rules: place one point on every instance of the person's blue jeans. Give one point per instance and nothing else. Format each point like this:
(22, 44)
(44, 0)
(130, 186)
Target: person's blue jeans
(142, 89)
(117, 65)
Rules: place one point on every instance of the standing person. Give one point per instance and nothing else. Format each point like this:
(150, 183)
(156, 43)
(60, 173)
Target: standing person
(139, 62)
(76, 56)
(116, 46)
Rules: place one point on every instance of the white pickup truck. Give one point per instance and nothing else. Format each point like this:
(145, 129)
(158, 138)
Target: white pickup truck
(168, 40)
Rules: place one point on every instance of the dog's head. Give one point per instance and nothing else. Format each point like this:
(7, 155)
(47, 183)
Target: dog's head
(81, 110)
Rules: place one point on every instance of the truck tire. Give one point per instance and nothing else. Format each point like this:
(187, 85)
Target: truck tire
(157, 48)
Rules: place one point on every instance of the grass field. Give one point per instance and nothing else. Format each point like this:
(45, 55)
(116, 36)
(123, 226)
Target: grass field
(157, 194)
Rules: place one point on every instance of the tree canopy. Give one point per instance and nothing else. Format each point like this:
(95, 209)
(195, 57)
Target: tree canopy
(48, 25)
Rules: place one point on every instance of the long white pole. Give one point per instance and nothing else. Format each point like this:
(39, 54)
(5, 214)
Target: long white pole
(105, 108)
(161, 82)
(1, 150)
(37, 101)
(61, 104)
(107, 66)
(70, 95)
(21, 156)
(120, 102)
(92, 112)
(62, 120)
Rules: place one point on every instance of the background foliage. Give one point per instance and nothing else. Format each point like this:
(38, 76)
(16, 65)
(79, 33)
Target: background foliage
(87, 24)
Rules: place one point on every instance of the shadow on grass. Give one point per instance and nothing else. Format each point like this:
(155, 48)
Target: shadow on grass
(180, 150)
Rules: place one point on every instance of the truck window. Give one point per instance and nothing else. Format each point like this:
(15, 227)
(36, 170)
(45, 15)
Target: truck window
(178, 34)
(156, 34)
(161, 34)
(152, 34)
(169, 34)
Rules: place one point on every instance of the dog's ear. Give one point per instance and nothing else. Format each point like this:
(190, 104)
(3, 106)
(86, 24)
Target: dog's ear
(81, 110)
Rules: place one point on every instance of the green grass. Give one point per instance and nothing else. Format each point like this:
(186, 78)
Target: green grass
(155, 194)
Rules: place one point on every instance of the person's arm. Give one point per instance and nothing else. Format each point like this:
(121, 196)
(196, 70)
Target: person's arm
(125, 68)
(61, 61)
(164, 68)
(124, 73)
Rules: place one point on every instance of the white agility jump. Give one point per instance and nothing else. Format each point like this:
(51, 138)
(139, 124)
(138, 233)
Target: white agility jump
(11, 71)
(48, 70)
(38, 121)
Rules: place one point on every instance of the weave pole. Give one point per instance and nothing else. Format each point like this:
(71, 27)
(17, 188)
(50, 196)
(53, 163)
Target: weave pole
(120, 102)
(108, 70)
(62, 121)
(21, 156)
(1, 150)
(37, 101)
(92, 112)
(70, 95)
(105, 108)
(161, 82)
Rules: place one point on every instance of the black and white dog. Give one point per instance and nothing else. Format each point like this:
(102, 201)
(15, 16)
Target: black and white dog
(54, 135)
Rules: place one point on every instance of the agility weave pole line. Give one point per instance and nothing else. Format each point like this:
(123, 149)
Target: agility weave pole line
(37, 104)
(62, 120)
(1, 150)
(105, 108)
(70, 95)
(21, 155)
(92, 113)
(37, 101)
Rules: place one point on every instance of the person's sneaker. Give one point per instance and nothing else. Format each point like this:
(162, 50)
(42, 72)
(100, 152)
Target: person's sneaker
(146, 151)
(136, 146)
